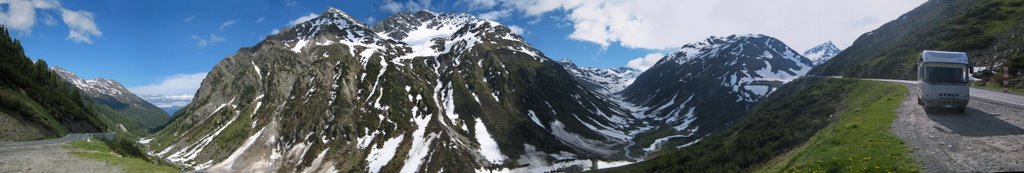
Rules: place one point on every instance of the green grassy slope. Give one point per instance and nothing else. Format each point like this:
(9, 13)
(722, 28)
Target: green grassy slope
(786, 120)
(859, 141)
(136, 121)
(118, 153)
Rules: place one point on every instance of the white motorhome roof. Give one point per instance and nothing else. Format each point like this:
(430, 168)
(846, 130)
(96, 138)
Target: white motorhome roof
(943, 56)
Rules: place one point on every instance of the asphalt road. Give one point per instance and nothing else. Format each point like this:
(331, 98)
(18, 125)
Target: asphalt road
(987, 137)
(5, 146)
(1011, 100)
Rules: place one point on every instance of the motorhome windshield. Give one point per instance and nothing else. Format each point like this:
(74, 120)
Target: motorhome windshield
(945, 75)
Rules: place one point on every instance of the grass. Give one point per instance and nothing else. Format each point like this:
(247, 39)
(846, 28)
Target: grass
(99, 150)
(859, 141)
(23, 104)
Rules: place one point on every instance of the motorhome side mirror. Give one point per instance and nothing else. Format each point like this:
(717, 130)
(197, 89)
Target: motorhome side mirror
(970, 68)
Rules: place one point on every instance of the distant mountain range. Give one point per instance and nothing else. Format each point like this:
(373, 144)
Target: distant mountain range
(122, 108)
(431, 91)
(602, 80)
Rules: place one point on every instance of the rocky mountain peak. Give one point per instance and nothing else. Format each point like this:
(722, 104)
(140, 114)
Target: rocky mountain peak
(422, 24)
(334, 13)
(94, 87)
(821, 53)
(334, 22)
(566, 62)
(751, 45)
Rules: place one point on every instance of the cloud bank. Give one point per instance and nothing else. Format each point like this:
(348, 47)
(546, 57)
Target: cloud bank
(20, 16)
(174, 90)
(667, 24)
(645, 62)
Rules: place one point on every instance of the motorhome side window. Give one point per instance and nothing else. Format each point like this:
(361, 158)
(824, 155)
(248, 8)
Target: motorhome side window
(945, 75)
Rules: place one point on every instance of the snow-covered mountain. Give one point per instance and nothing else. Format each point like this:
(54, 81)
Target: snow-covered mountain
(706, 86)
(821, 53)
(99, 87)
(126, 109)
(602, 80)
(419, 92)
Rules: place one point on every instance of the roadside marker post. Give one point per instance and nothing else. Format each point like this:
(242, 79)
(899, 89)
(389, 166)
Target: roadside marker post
(1006, 77)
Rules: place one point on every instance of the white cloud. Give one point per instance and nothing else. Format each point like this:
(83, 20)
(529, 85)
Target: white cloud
(45, 4)
(643, 63)
(411, 5)
(20, 16)
(189, 19)
(260, 20)
(275, 31)
(371, 20)
(174, 90)
(479, 4)
(49, 20)
(163, 101)
(82, 26)
(660, 24)
(495, 15)
(227, 24)
(290, 3)
(177, 84)
(305, 18)
(516, 29)
(203, 42)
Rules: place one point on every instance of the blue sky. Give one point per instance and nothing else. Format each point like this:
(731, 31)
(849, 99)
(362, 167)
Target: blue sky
(165, 47)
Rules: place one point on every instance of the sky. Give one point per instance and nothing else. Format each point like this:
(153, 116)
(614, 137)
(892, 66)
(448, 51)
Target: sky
(162, 49)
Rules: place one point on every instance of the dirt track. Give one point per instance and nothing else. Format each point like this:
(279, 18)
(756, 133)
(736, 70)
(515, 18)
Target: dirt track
(988, 137)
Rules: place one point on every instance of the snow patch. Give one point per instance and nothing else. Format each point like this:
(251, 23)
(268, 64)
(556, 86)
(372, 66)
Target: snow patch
(533, 117)
(488, 147)
(299, 45)
(229, 163)
(379, 157)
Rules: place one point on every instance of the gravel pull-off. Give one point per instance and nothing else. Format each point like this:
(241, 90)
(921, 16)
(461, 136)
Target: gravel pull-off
(48, 158)
(988, 137)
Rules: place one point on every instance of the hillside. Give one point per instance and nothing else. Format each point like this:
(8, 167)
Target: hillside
(990, 31)
(786, 120)
(35, 102)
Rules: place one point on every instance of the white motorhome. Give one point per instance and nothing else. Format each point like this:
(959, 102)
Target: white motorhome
(943, 80)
